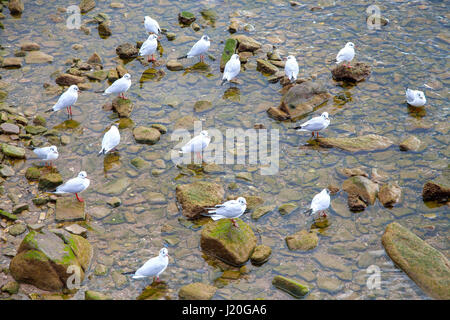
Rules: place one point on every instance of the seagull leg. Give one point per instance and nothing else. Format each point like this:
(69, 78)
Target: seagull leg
(157, 279)
(317, 133)
(70, 108)
(78, 198)
(312, 134)
(153, 58)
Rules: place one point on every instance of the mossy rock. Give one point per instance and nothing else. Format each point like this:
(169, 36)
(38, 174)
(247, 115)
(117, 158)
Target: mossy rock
(197, 291)
(146, 135)
(369, 142)
(33, 173)
(290, 286)
(195, 197)
(228, 51)
(35, 130)
(186, 18)
(50, 180)
(123, 107)
(155, 291)
(302, 240)
(262, 211)
(362, 187)
(231, 244)
(261, 254)
(7, 215)
(95, 295)
(425, 265)
(13, 151)
(287, 208)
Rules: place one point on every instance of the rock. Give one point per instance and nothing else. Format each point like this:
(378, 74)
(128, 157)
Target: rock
(99, 212)
(13, 151)
(17, 229)
(355, 203)
(246, 43)
(38, 57)
(290, 286)
(230, 244)
(375, 20)
(302, 240)
(146, 135)
(127, 51)
(195, 27)
(69, 209)
(7, 215)
(115, 187)
(197, 291)
(209, 15)
(439, 188)
(18, 208)
(100, 270)
(233, 27)
(247, 176)
(228, 51)
(6, 171)
(370, 142)
(113, 75)
(174, 65)
(15, 6)
(95, 295)
(30, 46)
(123, 107)
(265, 66)
(101, 75)
(86, 5)
(277, 114)
(302, 99)
(362, 187)
(261, 254)
(332, 285)
(39, 201)
(389, 194)
(121, 70)
(425, 265)
(76, 229)
(195, 197)
(119, 279)
(114, 202)
(39, 120)
(412, 143)
(186, 18)
(351, 172)
(104, 29)
(36, 227)
(160, 127)
(66, 79)
(139, 163)
(287, 208)
(202, 105)
(12, 62)
(49, 181)
(261, 211)
(359, 71)
(34, 130)
(12, 287)
(43, 259)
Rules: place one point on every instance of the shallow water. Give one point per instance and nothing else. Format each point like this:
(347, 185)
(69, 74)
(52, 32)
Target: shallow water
(411, 51)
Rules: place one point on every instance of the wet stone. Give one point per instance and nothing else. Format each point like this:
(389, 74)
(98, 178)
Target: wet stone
(69, 209)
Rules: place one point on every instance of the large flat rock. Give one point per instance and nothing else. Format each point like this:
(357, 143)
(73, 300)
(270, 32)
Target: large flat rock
(370, 142)
(69, 209)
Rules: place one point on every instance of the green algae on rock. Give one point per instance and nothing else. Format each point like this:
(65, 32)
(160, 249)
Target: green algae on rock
(228, 51)
(290, 286)
(425, 265)
(231, 244)
(195, 197)
(13, 151)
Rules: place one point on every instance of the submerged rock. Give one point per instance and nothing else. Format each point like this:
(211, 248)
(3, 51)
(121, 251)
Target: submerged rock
(95, 295)
(127, 51)
(86, 5)
(412, 143)
(370, 142)
(197, 291)
(49, 180)
(12, 62)
(231, 244)
(389, 194)
(146, 135)
(43, 259)
(195, 197)
(425, 265)
(359, 71)
(69, 209)
(261, 254)
(38, 57)
(302, 240)
(290, 286)
(174, 65)
(439, 188)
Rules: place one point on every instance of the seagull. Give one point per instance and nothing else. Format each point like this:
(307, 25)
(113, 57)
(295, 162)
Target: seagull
(74, 185)
(119, 86)
(149, 47)
(232, 68)
(153, 267)
(67, 100)
(47, 153)
(320, 203)
(315, 124)
(199, 48)
(151, 25)
(110, 140)
(197, 144)
(415, 98)
(231, 209)
(291, 68)
(346, 54)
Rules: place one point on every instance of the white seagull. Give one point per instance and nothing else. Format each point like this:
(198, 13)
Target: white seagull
(320, 203)
(153, 267)
(66, 100)
(149, 47)
(47, 153)
(119, 86)
(110, 140)
(415, 98)
(291, 68)
(347, 54)
(197, 144)
(228, 210)
(74, 185)
(232, 68)
(199, 48)
(315, 124)
(151, 25)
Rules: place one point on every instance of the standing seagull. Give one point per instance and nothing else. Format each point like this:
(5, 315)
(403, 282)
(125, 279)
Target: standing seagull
(110, 140)
(149, 47)
(153, 267)
(151, 25)
(119, 86)
(347, 53)
(291, 68)
(66, 100)
(47, 153)
(74, 185)
(415, 98)
(199, 48)
(231, 209)
(197, 144)
(320, 203)
(315, 124)
(232, 68)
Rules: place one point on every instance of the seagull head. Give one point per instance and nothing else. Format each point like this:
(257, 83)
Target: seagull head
(205, 38)
(242, 201)
(146, 18)
(350, 44)
(153, 36)
(326, 191)
(127, 76)
(421, 95)
(325, 115)
(235, 56)
(82, 174)
(74, 88)
(163, 253)
(204, 133)
(53, 149)
(290, 58)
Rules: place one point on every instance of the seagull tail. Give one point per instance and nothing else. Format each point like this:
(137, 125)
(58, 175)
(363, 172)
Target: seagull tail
(223, 81)
(49, 110)
(130, 272)
(296, 128)
(308, 212)
(103, 151)
(183, 57)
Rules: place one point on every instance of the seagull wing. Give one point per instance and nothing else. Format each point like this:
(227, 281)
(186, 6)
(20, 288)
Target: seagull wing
(110, 140)
(314, 124)
(118, 86)
(148, 47)
(73, 185)
(151, 25)
(65, 100)
(291, 69)
(42, 152)
(345, 54)
(229, 209)
(410, 95)
(151, 268)
(232, 69)
(198, 48)
(195, 144)
(320, 202)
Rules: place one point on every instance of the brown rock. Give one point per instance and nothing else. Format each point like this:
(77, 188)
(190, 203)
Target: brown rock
(358, 72)
(66, 79)
(389, 194)
(195, 197)
(30, 46)
(12, 62)
(15, 6)
(302, 240)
